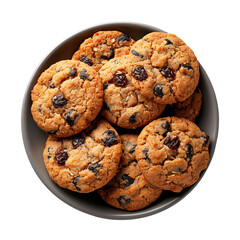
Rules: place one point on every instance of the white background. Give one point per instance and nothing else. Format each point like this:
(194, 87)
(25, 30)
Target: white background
(30, 30)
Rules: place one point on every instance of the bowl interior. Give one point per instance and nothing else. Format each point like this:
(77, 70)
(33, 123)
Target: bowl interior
(34, 138)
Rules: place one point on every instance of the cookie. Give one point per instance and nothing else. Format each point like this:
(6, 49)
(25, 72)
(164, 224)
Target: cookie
(84, 162)
(129, 190)
(188, 109)
(176, 69)
(171, 153)
(103, 46)
(66, 98)
(123, 104)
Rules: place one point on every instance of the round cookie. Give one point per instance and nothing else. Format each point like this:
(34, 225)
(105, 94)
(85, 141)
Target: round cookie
(103, 46)
(66, 98)
(171, 153)
(176, 69)
(123, 104)
(84, 162)
(188, 109)
(129, 190)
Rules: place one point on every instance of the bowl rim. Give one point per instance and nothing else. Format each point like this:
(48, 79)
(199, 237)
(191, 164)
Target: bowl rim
(124, 215)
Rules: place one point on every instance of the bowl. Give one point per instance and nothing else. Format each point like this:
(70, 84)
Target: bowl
(34, 138)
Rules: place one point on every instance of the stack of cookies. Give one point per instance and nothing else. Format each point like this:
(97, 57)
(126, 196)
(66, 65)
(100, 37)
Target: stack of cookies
(89, 106)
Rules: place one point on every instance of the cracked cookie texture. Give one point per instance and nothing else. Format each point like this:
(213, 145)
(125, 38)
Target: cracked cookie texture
(172, 152)
(84, 162)
(129, 190)
(123, 104)
(103, 46)
(66, 98)
(175, 68)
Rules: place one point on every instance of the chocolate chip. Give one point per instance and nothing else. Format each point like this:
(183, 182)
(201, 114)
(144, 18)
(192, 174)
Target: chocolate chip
(167, 72)
(51, 85)
(172, 143)
(78, 140)
(206, 139)
(75, 183)
(86, 60)
(59, 101)
(168, 42)
(111, 54)
(71, 116)
(123, 38)
(133, 149)
(94, 167)
(83, 74)
(139, 73)
(145, 152)
(128, 180)
(189, 150)
(111, 138)
(187, 66)
(61, 156)
(73, 73)
(132, 118)
(120, 79)
(53, 132)
(123, 200)
(158, 90)
(136, 54)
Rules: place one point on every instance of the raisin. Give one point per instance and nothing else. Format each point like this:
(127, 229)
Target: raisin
(61, 156)
(70, 117)
(83, 74)
(206, 139)
(133, 149)
(187, 66)
(166, 125)
(111, 138)
(59, 101)
(136, 54)
(132, 118)
(167, 72)
(123, 38)
(123, 200)
(78, 140)
(94, 167)
(168, 42)
(40, 108)
(158, 90)
(145, 152)
(189, 150)
(51, 85)
(128, 180)
(73, 73)
(172, 143)
(111, 54)
(86, 60)
(120, 79)
(75, 182)
(139, 73)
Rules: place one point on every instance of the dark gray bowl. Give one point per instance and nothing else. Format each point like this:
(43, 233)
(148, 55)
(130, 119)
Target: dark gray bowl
(34, 138)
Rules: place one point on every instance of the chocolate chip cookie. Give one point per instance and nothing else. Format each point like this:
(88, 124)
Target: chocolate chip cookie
(123, 104)
(84, 162)
(66, 98)
(175, 68)
(129, 190)
(171, 153)
(103, 46)
(188, 109)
